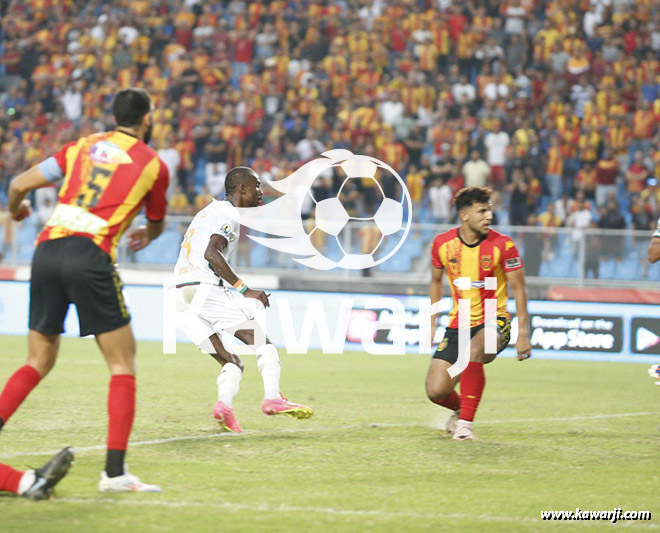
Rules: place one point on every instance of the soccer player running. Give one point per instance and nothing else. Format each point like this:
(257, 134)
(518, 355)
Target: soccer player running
(475, 251)
(108, 177)
(212, 298)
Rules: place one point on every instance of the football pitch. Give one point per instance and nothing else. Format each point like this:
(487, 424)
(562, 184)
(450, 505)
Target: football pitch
(552, 435)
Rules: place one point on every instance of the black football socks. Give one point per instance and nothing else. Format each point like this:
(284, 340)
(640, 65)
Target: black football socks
(114, 463)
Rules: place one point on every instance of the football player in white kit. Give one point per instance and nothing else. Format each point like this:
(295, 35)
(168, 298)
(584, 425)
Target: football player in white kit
(212, 298)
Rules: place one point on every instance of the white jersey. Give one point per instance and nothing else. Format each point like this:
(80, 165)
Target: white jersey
(217, 218)
(657, 230)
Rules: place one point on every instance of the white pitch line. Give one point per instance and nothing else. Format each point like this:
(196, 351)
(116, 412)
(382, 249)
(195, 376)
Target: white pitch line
(568, 418)
(295, 509)
(375, 425)
(331, 511)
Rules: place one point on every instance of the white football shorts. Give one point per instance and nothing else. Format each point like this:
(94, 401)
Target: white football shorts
(205, 309)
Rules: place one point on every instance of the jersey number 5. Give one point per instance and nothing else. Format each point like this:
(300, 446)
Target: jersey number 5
(98, 181)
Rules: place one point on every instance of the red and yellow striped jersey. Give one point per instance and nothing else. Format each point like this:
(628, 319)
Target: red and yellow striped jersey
(108, 177)
(492, 256)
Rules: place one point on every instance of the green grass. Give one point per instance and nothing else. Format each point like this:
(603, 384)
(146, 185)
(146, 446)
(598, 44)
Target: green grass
(371, 459)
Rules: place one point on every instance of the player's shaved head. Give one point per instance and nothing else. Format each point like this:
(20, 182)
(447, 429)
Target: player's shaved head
(238, 176)
(472, 195)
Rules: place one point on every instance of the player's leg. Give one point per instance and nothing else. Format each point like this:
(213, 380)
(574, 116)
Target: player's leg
(95, 288)
(36, 484)
(439, 384)
(118, 348)
(473, 381)
(48, 307)
(229, 382)
(473, 378)
(268, 363)
(195, 313)
(42, 353)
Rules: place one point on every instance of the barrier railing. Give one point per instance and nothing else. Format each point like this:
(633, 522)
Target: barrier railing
(561, 253)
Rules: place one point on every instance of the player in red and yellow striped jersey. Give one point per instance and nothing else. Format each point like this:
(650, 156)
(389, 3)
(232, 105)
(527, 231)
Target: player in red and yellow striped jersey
(108, 177)
(476, 252)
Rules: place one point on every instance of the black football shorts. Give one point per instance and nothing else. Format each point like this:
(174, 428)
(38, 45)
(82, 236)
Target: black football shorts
(448, 348)
(75, 270)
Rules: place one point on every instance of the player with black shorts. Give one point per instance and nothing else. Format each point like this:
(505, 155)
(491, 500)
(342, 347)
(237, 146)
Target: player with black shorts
(107, 179)
(479, 263)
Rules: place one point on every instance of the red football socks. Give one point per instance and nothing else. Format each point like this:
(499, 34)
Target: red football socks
(18, 386)
(453, 401)
(473, 382)
(9, 478)
(121, 410)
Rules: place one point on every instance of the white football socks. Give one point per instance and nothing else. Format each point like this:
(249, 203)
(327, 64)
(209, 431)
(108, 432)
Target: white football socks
(229, 382)
(27, 480)
(268, 363)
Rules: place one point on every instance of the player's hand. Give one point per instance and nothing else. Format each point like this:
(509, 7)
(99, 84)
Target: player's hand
(24, 210)
(258, 295)
(138, 238)
(523, 347)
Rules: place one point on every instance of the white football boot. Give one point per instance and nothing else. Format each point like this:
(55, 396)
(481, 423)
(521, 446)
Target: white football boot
(463, 430)
(126, 483)
(452, 421)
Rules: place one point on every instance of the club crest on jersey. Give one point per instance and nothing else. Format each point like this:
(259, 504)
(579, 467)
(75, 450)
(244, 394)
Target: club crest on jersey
(486, 262)
(107, 153)
(228, 233)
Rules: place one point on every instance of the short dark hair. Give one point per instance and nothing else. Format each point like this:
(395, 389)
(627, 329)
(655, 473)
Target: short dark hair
(130, 105)
(236, 177)
(472, 195)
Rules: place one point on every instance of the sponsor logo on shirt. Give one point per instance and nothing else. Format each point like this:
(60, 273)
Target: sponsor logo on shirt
(107, 153)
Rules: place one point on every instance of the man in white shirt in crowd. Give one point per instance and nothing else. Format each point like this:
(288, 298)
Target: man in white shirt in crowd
(497, 141)
(170, 156)
(308, 147)
(463, 88)
(440, 196)
(476, 171)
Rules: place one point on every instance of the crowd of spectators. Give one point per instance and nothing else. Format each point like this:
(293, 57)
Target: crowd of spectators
(553, 103)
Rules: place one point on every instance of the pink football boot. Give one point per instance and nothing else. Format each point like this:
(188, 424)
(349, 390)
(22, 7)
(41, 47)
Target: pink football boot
(225, 417)
(282, 406)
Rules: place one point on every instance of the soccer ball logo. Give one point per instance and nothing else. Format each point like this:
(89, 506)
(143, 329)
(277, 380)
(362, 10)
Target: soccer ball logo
(385, 220)
(389, 221)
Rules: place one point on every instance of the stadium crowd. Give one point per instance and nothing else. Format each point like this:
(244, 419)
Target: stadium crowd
(553, 103)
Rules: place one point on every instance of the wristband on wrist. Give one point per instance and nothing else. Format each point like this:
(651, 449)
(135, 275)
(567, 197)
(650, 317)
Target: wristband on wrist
(240, 286)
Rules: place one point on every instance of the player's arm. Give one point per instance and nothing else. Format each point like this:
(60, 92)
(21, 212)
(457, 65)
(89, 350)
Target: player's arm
(654, 250)
(214, 255)
(19, 188)
(436, 295)
(516, 279)
(155, 208)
